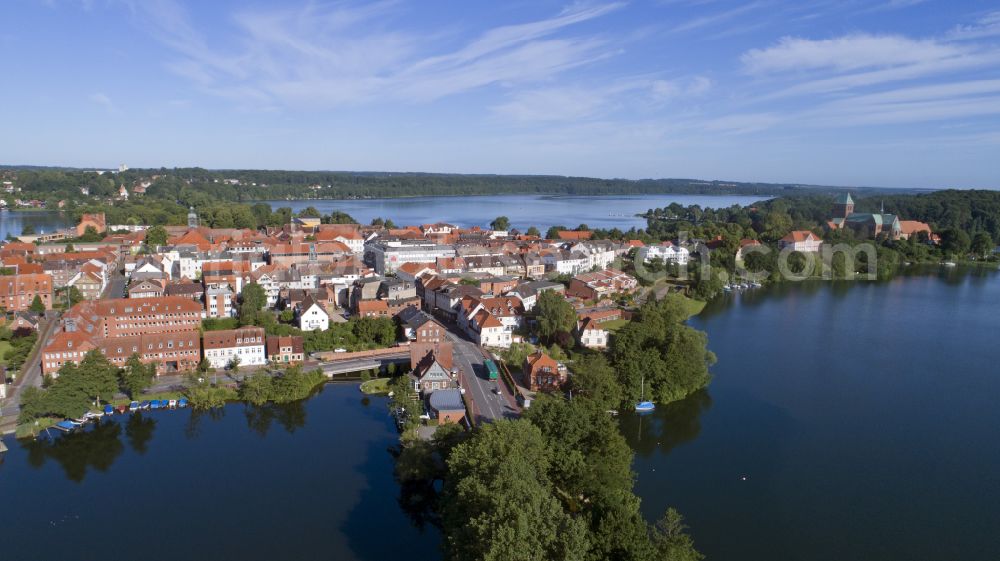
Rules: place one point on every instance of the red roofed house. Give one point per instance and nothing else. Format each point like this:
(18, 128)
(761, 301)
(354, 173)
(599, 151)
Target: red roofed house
(801, 240)
(908, 228)
(373, 308)
(542, 372)
(17, 292)
(574, 235)
(285, 349)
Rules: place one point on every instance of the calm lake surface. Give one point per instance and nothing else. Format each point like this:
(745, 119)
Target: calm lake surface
(308, 481)
(12, 222)
(524, 211)
(863, 416)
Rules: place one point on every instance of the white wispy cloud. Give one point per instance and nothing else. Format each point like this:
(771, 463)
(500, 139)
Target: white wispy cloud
(103, 100)
(577, 102)
(986, 26)
(851, 52)
(349, 53)
(714, 19)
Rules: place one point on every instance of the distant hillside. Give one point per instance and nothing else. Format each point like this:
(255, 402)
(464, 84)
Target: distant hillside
(252, 185)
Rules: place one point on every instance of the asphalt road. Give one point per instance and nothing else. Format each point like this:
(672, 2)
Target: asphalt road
(487, 404)
(116, 286)
(32, 369)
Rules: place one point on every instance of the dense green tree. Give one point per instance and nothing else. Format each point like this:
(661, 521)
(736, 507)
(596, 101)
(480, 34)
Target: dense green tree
(593, 378)
(657, 348)
(982, 245)
(533, 231)
(955, 242)
(553, 232)
(90, 234)
(256, 389)
(670, 538)
(555, 314)
(500, 223)
(33, 404)
(309, 212)
(97, 376)
(37, 305)
(135, 377)
(499, 502)
(253, 300)
(28, 230)
(156, 236)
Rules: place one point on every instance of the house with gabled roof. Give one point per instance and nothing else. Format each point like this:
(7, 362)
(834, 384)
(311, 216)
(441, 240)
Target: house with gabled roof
(801, 240)
(590, 334)
(312, 316)
(543, 373)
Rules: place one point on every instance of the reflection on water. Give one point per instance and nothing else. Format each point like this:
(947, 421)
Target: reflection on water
(290, 416)
(845, 419)
(97, 445)
(13, 222)
(95, 448)
(667, 426)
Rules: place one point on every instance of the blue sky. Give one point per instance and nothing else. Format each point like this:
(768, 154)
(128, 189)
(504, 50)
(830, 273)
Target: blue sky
(899, 93)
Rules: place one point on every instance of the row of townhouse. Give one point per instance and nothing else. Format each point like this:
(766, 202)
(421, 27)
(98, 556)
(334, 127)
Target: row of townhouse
(163, 331)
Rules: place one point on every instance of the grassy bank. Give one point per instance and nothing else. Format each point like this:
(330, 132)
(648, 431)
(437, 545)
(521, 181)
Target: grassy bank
(378, 386)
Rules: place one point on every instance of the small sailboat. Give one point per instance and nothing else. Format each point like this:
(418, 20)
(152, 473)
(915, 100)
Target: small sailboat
(643, 406)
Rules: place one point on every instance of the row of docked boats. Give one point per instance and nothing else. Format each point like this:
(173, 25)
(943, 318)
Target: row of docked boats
(108, 410)
(741, 286)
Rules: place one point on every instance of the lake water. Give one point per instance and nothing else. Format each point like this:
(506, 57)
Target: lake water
(13, 222)
(524, 211)
(307, 481)
(863, 418)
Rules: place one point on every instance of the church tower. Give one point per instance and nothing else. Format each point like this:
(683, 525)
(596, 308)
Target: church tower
(192, 218)
(844, 206)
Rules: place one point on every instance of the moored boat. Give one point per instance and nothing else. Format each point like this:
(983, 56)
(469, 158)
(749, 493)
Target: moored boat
(109, 409)
(132, 406)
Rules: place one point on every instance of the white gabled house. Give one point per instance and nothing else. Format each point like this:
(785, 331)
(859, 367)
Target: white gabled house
(488, 331)
(312, 315)
(590, 334)
(666, 251)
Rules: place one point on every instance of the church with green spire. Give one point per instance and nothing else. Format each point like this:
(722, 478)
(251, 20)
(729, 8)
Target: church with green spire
(864, 224)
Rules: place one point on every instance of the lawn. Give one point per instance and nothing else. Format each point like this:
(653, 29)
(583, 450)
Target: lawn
(4, 347)
(694, 307)
(376, 386)
(614, 325)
